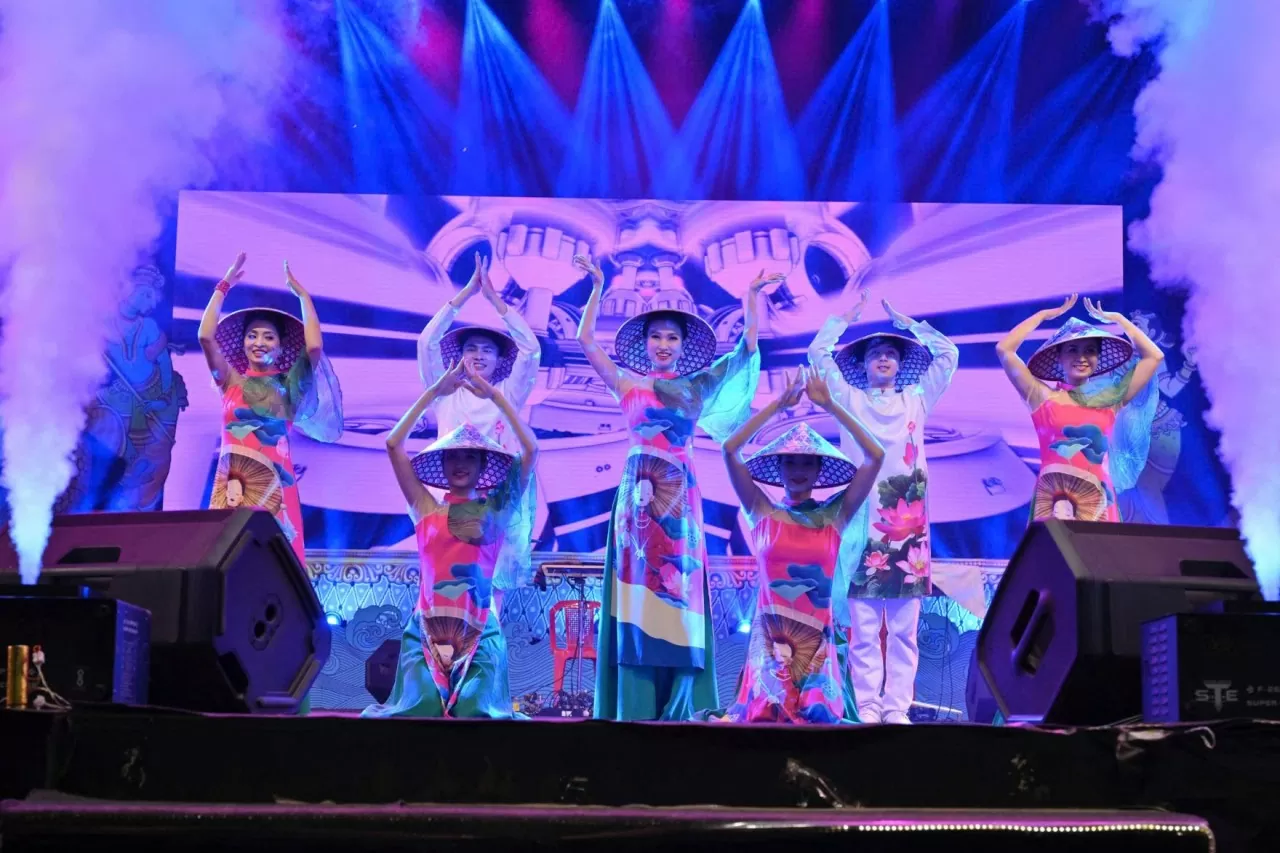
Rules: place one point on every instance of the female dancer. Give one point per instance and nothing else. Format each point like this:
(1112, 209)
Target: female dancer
(792, 673)
(656, 655)
(1091, 418)
(509, 362)
(891, 382)
(1145, 502)
(453, 658)
(273, 375)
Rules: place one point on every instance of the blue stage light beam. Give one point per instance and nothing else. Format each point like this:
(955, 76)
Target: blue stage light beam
(510, 127)
(400, 127)
(397, 19)
(737, 140)
(1074, 149)
(848, 133)
(621, 131)
(956, 139)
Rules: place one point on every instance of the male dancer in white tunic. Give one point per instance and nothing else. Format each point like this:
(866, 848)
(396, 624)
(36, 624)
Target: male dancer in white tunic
(890, 383)
(508, 361)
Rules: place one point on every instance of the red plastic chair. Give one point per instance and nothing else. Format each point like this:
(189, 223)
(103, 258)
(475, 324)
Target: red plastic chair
(579, 635)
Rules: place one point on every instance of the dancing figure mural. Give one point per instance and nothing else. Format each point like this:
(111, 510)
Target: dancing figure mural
(131, 426)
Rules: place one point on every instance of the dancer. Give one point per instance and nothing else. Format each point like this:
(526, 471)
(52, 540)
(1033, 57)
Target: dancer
(656, 644)
(1092, 417)
(453, 658)
(509, 362)
(890, 383)
(273, 374)
(792, 674)
(1145, 501)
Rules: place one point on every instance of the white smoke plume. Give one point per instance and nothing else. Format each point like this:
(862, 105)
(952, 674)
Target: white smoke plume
(1211, 118)
(107, 109)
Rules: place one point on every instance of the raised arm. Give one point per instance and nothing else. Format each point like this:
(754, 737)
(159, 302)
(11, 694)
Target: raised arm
(873, 452)
(604, 366)
(751, 307)
(754, 501)
(310, 322)
(528, 444)
(208, 334)
(1031, 390)
(1149, 355)
(415, 494)
(431, 364)
(946, 355)
(1171, 384)
(524, 373)
(821, 360)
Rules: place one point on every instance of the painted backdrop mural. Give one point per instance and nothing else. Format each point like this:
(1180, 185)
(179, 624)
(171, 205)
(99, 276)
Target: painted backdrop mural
(122, 461)
(379, 266)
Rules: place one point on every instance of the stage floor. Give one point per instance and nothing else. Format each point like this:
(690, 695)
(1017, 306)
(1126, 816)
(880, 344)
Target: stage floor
(1228, 773)
(46, 823)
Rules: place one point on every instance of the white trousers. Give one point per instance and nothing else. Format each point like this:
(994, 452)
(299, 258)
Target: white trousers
(886, 682)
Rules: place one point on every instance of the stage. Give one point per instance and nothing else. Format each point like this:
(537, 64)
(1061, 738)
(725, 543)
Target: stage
(133, 772)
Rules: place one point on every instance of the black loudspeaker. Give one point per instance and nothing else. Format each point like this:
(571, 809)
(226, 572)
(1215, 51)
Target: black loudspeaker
(980, 706)
(235, 624)
(1062, 640)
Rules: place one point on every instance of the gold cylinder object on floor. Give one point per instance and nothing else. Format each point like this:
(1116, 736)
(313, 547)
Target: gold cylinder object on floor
(15, 694)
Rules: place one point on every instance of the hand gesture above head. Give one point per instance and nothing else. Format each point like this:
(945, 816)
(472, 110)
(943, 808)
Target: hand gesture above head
(473, 284)
(854, 314)
(793, 389)
(816, 388)
(588, 266)
(1053, 313)
(295, 286)
(900, 321)
(236, 271)
(1096, 312)
(486, 283)
(761, 281)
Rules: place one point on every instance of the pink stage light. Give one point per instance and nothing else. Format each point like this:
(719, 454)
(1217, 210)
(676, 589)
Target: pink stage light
(557, 45)
(437, 50)
(674, 62)
(803, 50)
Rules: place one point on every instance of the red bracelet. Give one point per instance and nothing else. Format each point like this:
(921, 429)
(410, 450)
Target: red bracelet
(224, 287)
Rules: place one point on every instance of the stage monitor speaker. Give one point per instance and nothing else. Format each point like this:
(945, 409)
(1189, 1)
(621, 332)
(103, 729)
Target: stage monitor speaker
(235, 623)
(980, 706)
(1062, 640)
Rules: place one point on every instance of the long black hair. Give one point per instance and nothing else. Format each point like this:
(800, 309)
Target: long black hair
(673, 316)
(265, 317)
